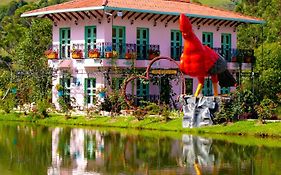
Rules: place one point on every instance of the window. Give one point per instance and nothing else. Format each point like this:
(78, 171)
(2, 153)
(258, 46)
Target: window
(119, 40)
(65, 43)
(90, 38)
(189, 86)
(176, 44)
(90, 90)
(226, 46)
(117, 83)
(207, 39)
(142, 43)
(65, 82)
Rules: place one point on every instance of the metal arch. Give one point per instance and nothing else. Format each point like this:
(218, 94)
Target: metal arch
(170, 59)
(146, 77)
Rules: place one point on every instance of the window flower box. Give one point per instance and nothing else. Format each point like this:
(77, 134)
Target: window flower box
(77, 54)
(94, 53)
(51, 54)
(128, 56)
(108, 54)
(152, 53)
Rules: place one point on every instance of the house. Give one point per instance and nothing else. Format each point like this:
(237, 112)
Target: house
(98, 43)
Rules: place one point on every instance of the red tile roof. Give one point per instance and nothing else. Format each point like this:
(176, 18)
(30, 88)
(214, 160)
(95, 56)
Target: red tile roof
(173, 7)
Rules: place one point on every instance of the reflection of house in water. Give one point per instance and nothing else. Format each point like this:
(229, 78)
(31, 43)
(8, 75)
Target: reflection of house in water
(56, 158)
(86, 153)
(196, 152)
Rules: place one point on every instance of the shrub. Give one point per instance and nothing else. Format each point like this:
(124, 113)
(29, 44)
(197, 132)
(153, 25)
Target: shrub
(265, 109)
(8, 104)
(42, 107)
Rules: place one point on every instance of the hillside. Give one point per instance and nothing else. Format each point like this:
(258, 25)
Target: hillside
(226, 4)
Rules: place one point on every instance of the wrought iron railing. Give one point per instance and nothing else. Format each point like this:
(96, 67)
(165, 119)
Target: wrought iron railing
(106, 50)
(236, 55)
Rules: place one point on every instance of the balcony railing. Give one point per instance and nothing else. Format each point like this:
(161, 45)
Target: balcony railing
(103, 50)
(236, 55)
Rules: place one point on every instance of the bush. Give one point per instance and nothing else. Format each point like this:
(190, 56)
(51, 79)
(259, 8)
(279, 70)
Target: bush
(265, 109)
(64, 107)
(8, 103)
(42, 107)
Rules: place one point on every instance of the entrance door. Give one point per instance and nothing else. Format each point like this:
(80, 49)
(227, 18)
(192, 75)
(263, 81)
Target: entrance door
(90, 90)
(142, 90)
(226, 46)
(90, 38)
(176, 44)
(207, 89)
(65, 43)
(119, 40)
(142, 43)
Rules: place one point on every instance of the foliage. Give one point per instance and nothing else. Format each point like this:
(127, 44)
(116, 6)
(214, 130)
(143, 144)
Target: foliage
(20, 41)
(65, 106)
(8, 103)
(269, 67)
(269, 10)
(41, 108)
(265, 109)
(113, 103)
(240, 106)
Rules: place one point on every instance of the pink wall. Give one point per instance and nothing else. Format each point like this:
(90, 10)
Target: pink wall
(159, 34)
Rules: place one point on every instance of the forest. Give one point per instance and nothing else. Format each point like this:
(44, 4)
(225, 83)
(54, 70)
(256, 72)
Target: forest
(24, 40)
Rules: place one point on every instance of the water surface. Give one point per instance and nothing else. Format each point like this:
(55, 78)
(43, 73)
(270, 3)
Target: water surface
(29, 149)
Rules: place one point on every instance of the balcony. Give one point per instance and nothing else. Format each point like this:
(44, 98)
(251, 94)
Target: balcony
(237, 58)
(103, 50)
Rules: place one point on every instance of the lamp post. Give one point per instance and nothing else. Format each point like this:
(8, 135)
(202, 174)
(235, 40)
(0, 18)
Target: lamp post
(11, 74)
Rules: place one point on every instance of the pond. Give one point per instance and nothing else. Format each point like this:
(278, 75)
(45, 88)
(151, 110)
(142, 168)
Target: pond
(29, 149)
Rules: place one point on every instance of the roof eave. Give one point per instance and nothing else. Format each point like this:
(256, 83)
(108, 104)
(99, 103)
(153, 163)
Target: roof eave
(187, 14)
(62, 11)
(141, 11)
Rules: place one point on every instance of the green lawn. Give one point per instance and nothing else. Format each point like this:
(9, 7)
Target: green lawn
(246, 128)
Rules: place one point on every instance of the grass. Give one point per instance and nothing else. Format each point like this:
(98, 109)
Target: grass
(245, 128)
(156, 127)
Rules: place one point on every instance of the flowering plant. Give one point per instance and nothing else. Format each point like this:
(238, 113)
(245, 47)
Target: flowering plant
(51, 54)
(92, 51)
(59, 87)
(154, 52)
(101, 89)
(77, 53)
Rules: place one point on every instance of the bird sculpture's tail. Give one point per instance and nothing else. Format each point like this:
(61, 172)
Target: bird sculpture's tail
(226, 79)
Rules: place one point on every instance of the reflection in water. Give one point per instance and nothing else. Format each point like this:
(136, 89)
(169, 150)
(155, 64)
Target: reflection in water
(37, 150)
(75, 147)
(196, 150)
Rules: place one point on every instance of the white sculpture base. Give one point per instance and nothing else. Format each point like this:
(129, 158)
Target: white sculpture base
(198, 111)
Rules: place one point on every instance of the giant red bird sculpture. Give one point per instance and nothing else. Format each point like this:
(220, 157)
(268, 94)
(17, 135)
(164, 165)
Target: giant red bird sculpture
(200, 61)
